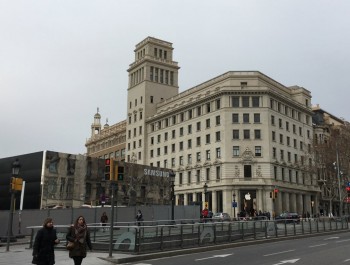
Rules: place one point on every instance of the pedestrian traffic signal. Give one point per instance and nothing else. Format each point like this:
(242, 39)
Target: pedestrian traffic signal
(275, 191)
(107, 175)
(120, 173)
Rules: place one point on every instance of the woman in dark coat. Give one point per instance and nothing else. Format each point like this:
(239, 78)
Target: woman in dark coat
(45, 240)
(79, 234)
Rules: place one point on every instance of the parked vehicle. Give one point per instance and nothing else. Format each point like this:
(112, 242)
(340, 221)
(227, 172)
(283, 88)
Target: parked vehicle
(288, 218)
(223, 217)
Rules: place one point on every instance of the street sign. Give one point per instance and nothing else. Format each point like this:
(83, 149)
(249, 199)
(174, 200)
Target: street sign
(234, 204)
(206, 205)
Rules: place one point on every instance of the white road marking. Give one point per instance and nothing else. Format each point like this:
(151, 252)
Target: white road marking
(215, 256)
(291, 250)
(340, 241)
(346, 260)
(287, 261)
(318, 245)
(333, 237)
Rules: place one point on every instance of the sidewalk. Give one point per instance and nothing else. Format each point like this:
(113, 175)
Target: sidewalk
(20, 254)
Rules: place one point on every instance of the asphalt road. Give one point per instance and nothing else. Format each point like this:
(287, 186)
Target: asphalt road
(321, 250)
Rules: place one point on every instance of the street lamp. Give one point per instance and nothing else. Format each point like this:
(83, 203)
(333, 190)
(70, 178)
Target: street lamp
(172, 182)
(205, 187)
(15, 172)
(234, 205)
(312, 209)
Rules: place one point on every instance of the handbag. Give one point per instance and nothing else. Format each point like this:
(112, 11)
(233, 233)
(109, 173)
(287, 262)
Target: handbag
(70, 245)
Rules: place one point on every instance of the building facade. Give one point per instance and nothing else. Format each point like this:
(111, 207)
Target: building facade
(240, 134)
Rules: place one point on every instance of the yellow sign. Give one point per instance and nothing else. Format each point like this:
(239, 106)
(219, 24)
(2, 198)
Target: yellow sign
(206, 205)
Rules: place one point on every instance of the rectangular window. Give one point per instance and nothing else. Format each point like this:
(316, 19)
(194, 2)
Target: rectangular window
(235, 134)
(181, 131)
(207, 174)
(274, 152)
(151, 73)
(189, 159)
(173, 134)
(217, 119)
(189, 129)
(246, 134)
(199, 111)
(247, 171)
(273, 136)
(287, 125)
(173, 148)
(272, 120)
(198, 176)
(198, 125)
(181, 160)
(218, 152)
(255, 101)
(189, 114)
(208, 107)
(217, 173)
(189, 177)
(198, 141)
(198, 156)
(218, 136)
(173, 162)
(207, 123)
(281, 138)
(181, 146)
(256, 117)
(182, 117)
(245, 117)
(235, 102)
(257, 150)
(174, 119)
(257, 134)
(207, 139)
(207, 153)
(218, 104)
(189, 144)
(235, 150)
(235, 118)
(165, 150)
(166, 136)
(158, 151)
(245, 102)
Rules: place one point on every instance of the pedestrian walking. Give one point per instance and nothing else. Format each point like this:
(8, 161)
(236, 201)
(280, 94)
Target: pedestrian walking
(79, 234)
(139, 217)
(45, 240)
(104, 220)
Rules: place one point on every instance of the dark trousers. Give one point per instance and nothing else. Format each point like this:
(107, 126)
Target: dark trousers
(77, 260)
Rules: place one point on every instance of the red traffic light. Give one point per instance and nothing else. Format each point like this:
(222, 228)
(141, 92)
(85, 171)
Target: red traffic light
(276, 190)
(107, 162)
(348, 188)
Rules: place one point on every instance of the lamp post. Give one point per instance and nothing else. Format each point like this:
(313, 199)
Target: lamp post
(312, 209)
(337, 167)
(172, 182)
(15, 172)
(234, 205)
(205, 187)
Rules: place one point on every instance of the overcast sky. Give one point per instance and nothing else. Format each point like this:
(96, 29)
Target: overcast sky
(60, 60)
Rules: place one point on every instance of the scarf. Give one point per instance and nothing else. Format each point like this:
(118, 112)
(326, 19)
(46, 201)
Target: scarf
(80, 232)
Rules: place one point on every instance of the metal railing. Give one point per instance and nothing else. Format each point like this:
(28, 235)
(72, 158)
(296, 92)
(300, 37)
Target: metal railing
(170, 235)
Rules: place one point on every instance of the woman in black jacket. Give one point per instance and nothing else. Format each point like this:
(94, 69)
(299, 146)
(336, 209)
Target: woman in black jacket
(45, 240)
(79, 234)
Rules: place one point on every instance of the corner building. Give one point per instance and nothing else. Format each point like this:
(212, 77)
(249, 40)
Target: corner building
(242, 134)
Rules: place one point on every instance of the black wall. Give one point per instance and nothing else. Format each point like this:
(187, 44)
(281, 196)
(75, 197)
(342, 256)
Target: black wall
(30, 171)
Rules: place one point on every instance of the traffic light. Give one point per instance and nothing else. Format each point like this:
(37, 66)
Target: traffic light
(271, 194)
(348, 191)
(120, 173)
(275, 191)
(107, 175)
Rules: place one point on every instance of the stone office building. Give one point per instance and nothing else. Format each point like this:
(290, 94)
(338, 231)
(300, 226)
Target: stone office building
(242, 134)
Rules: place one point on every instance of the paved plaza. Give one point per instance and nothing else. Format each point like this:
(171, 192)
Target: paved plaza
(20, 254)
